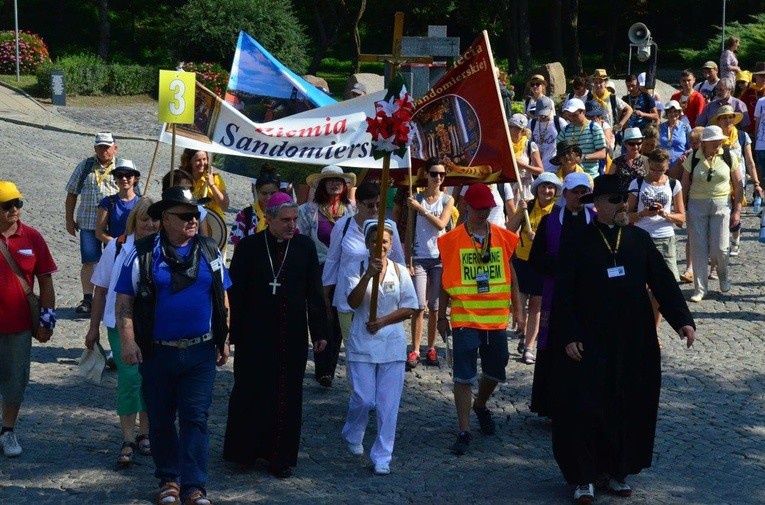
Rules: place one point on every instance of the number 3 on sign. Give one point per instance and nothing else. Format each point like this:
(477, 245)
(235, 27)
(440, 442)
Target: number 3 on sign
(176, 96)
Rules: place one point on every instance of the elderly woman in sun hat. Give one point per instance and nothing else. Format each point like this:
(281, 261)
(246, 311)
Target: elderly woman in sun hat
(544, 189)
(707, 178)
(317, 219)
(631, 164)
(674, 135)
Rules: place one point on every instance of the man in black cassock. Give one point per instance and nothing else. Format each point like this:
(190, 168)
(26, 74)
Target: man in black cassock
(275, 297)
(607, 374)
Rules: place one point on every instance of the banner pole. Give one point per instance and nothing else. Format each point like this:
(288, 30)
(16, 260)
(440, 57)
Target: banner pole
(172, 159)
(409, 238)
(151, 168)
(384, 185)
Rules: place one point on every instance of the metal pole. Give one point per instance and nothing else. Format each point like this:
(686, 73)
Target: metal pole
(16, 19)
(723, 28)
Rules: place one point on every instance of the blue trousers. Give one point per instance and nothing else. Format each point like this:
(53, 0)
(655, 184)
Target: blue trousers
(179, 382)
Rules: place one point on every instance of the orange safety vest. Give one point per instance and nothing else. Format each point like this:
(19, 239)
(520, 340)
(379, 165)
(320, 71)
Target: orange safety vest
(471, 309)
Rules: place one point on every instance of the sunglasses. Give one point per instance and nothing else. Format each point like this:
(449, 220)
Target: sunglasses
(622, 198)
(634, 144)
(535, 84)
(122, 175)
(709, 175)
(11, 204)
(437, 174)
(187, 216)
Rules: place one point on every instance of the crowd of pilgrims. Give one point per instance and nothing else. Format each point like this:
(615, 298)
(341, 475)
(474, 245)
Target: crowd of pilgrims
(685, 164)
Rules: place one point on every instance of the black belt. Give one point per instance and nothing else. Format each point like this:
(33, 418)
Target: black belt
(185, 342)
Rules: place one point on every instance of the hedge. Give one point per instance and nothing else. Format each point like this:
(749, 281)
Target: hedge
(88, 75)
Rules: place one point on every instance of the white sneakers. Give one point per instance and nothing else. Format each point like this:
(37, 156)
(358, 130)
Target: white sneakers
(696, 297)
(724, 285)
(619, 488)
(10, 443)
(354, 449)
(584, 493)
(382, 469)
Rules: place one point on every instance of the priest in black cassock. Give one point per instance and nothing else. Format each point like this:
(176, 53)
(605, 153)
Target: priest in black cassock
(607, 375)
(276, 296)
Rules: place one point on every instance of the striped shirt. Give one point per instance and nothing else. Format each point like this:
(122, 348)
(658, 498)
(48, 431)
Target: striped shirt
(589, 138)
(90, 191)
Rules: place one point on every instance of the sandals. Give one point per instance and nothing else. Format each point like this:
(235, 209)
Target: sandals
(197, 498)
(83, 308)
(144, 446)
(169, 494)
(125, 458)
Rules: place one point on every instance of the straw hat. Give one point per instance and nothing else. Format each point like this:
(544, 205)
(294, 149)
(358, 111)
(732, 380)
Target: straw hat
(331, 172)
(726, 110)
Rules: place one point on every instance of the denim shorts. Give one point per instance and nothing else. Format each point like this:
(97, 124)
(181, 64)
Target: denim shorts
(15, 355)
(492, 346)
(427, 281)
(90, 247)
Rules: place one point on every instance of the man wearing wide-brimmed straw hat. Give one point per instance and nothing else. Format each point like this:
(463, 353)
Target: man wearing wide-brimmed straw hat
(617, 111)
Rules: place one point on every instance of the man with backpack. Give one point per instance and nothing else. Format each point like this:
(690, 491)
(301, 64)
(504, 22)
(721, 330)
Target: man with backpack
(616, 111)
(586, 134)
(545, 127)
(92, 180)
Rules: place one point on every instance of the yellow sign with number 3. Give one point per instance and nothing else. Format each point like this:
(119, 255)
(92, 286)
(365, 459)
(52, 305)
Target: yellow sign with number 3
(176, 96)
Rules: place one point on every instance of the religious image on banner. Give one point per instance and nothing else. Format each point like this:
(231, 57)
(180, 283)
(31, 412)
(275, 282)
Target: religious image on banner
(206, 110)
(461, 121)
(263, 89)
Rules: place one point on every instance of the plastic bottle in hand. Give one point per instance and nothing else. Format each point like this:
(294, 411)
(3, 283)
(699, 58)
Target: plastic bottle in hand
(757, 204)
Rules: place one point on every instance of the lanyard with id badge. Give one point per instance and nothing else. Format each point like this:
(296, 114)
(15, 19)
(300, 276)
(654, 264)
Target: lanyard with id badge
(616, 270)
(484, 257)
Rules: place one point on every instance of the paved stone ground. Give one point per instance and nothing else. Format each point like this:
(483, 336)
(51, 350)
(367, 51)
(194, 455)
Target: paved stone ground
(710, 445)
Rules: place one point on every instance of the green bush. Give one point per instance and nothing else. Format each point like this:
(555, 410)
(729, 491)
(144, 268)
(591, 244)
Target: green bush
(87, 74)
(211, 75)
(32, 52)
(752, 46)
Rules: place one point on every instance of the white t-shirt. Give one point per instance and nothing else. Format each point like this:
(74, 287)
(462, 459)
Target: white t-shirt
(544, 135)
(425, 234)
(657, 226)
(759, 109)
(106, 273)
(396, 292)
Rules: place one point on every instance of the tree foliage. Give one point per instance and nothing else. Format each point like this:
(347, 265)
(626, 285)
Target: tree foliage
(207, 30)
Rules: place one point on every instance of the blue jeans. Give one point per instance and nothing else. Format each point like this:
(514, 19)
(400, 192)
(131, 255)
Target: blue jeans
(759, 157)
(90, 247)
(179, 381)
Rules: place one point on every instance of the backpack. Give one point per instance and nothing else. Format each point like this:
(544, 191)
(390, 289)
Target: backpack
(587, 97)
(727, 158)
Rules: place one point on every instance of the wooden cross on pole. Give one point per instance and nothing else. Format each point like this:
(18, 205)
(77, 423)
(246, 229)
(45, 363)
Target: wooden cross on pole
(395, 59)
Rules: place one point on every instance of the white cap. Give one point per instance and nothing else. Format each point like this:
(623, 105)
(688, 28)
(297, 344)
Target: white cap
(574, 105)
(673, 104)
(104, 139)
(518, 120)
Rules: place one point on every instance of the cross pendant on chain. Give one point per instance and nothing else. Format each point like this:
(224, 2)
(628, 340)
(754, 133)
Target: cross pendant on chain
(274, 284)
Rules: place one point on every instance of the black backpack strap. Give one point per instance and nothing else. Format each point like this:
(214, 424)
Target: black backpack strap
(727, 157)
(345, 228)
(86, 171)
(672, 184)
(532, 125)
(640, 181)
(248, 212)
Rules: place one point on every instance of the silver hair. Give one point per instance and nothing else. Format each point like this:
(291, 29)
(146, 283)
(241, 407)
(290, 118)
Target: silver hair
(728, 83)
(274, 211)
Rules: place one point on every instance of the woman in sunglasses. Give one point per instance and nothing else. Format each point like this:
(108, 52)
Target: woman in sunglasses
(113, 210)
(251, 219)
(631, 164)
(707, 178)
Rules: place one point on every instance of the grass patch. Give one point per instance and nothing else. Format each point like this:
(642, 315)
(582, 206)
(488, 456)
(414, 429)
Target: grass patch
(26, 83)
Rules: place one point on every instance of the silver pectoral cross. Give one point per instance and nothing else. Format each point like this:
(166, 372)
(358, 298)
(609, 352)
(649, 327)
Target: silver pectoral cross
(274, 284)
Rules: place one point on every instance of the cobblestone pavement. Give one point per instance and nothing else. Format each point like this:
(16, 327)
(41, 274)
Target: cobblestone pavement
(710, 445)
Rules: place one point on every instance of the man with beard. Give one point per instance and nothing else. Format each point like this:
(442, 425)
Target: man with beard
(607, 373)
(276, 297)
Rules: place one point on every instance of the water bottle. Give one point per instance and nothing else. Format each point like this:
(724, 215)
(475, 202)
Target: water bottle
(762, 229)
(757, 204)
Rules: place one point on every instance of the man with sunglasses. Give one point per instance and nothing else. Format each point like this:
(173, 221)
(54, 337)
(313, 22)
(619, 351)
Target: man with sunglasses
(172, 315)
(92, 181)
(24, 251)
(607, 373)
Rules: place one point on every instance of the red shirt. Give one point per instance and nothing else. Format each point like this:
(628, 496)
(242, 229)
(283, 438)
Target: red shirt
(693, 107)
(31, 253)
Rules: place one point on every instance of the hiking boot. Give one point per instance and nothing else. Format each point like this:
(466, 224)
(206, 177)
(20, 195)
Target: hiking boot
(10, 443)
(412, 360)
(485, 421)
(584, 493)
(460, 447)
(432, 357)
(619, 488)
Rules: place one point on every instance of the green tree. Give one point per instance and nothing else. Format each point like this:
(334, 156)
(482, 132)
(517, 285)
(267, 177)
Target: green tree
(206, 30)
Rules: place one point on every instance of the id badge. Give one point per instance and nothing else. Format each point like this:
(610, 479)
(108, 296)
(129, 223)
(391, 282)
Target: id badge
(482, 279)
(615, 272)
(389, 287)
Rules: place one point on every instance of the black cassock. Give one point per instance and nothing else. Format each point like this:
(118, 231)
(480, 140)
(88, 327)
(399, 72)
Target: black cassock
(604, 408)
(270, 336)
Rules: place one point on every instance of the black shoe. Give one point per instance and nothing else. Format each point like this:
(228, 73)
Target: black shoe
(325, 381)
(521, 343)
(460, 447)
(280, 471)
(485, 420)
(83, 309)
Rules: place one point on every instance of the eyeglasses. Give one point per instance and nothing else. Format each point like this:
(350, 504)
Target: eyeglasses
(11, 204)
(634, 144)
(621, 198)
(437, 174)
(187, 216)
(122, 175)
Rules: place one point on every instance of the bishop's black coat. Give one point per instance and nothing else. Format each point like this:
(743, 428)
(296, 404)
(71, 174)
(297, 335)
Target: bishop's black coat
(270, 337)
(604, 408)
